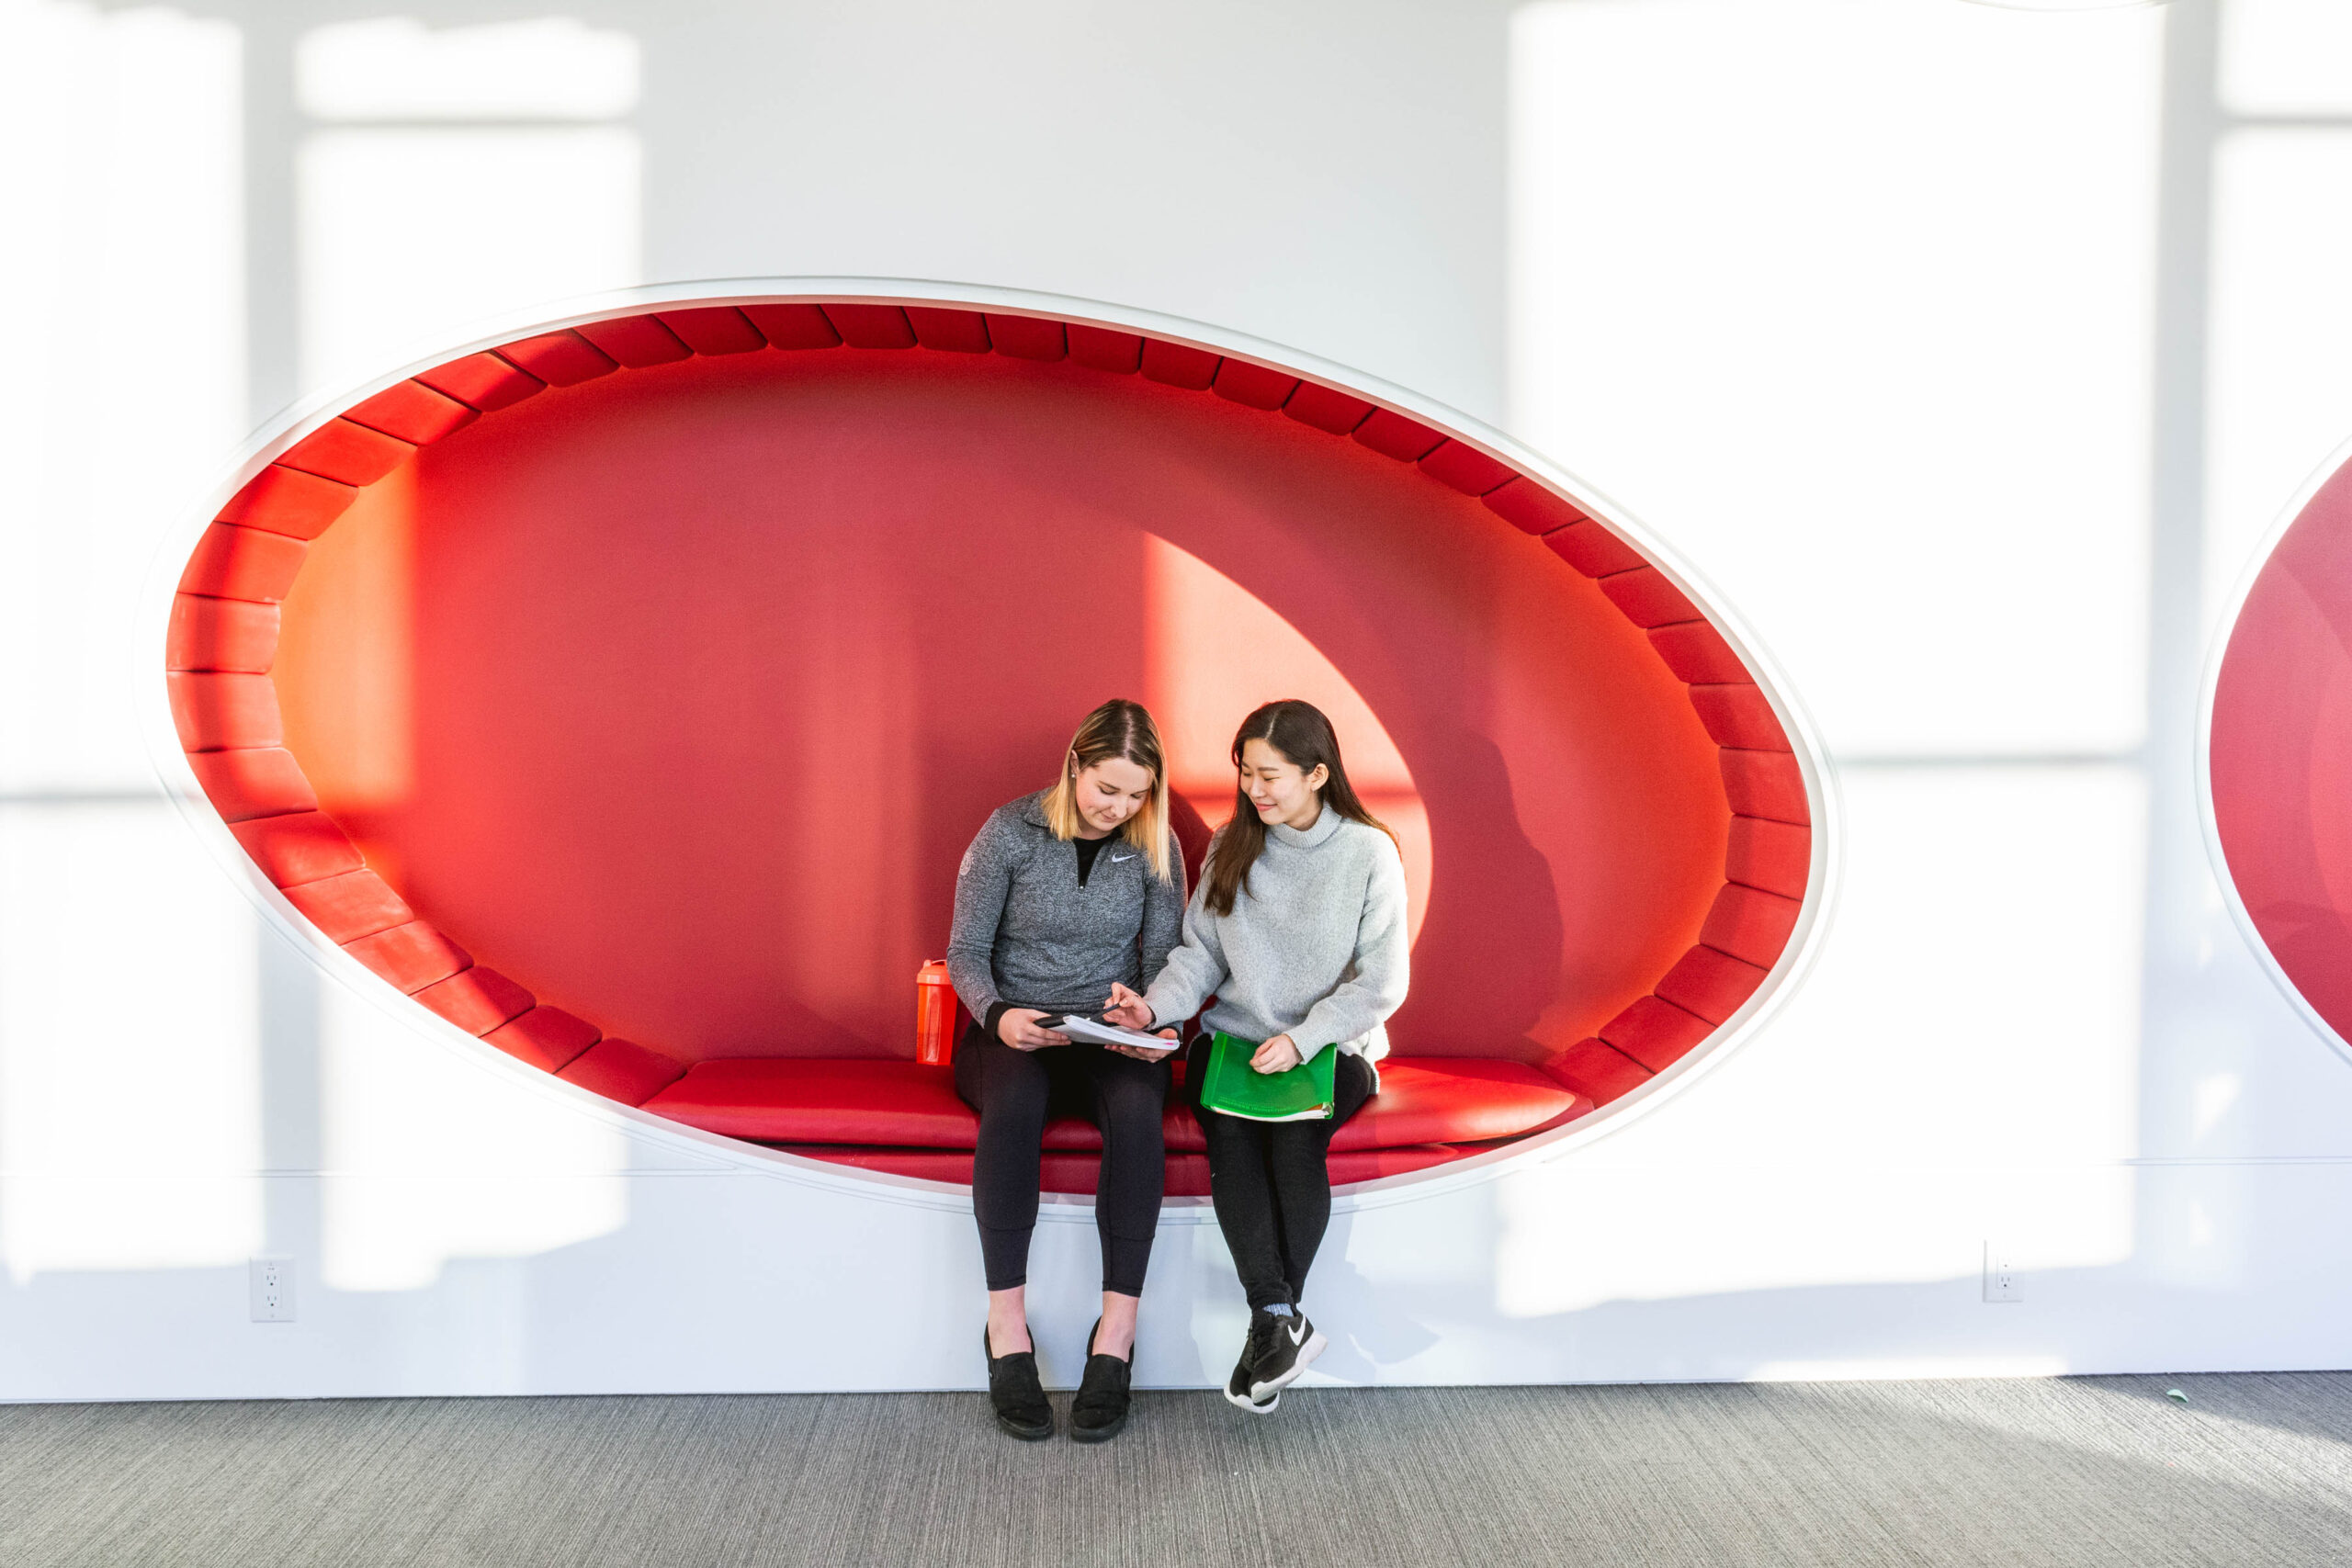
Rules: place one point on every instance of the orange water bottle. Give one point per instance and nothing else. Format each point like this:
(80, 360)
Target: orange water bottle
(939, 1014)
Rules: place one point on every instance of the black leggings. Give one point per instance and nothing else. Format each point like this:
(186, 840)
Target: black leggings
(1015, 1091)
(1267, 1180)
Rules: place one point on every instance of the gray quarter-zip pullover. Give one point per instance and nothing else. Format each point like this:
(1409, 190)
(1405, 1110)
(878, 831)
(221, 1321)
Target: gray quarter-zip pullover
(1027, 933)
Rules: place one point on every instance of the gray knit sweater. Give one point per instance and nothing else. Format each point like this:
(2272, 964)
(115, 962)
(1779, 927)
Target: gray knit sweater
(1314, 948)
(1026, 933)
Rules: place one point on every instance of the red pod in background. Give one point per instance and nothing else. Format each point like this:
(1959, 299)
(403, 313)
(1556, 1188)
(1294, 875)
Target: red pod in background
(939, 1014)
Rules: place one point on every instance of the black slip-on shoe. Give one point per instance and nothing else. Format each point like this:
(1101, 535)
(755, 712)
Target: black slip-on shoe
(1099, 1411)
(1015, 1394)
(1291, 1344)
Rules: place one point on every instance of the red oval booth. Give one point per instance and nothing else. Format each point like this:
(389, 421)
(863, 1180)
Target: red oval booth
(2279, 756)
(625, 694)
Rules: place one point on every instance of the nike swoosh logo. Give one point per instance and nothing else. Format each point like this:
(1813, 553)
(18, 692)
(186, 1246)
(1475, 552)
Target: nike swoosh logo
(1116, 859)
(1299, 1333)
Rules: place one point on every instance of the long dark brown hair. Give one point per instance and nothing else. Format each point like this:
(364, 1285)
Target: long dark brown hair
(1300, 732)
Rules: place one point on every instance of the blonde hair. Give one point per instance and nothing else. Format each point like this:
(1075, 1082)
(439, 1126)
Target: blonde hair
(1124, 729)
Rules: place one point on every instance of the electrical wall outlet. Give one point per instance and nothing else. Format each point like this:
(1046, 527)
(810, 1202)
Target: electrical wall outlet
(271, 1288)
(2003, 1282)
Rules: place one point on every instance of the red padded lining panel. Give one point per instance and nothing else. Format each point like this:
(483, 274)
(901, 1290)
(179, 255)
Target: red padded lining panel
(1598, 1071)
(637, 341)
(1178, 366)
(220, 711)
(713, 329)
(1027, 337)
(560, 359)
(1099, 348)
(546, 1037)
(1592, 549)
(256, 780)
(230, 562)
(476, 999)
(1432, 1100)
(286, 501)
(1750, 924)
(347, 453)
(483, 381)
(1647, 598)
(413, 413)
(1531, 509)
(1254, 384)
(1465, 469)
(1325, 409)
(622, 1070)
(411, 956)
(872, 326)
(1393, 435)
(815, 1101)
(220, 634)
(1764, 783)
(1738, 714)
(1710, 983)
(1695, 652)
(301, 847)
(1655, 1033)
(950, 332)
(790, 327)
(346, 908)
(1775, 856)
(1476, 1131)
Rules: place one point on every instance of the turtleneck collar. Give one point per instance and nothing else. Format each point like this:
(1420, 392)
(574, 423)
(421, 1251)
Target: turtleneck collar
(1327, 824)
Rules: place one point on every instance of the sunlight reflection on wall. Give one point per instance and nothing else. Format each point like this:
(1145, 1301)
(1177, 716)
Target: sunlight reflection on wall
(1215, 651)
(120, 184)
(1737, 228)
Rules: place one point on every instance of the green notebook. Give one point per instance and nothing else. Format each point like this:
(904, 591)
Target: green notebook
(1302, 1093)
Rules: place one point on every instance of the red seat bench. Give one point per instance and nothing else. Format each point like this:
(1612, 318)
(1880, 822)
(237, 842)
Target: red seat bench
(907, 1118)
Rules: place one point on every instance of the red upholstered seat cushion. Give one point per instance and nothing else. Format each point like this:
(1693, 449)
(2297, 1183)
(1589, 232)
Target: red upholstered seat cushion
(1076, 1174)
(1764, 783)
(286, 501)
(255, 781)
(1527, 506)
(230, 562)
(897, 1104)
(560, 359)
(238, 635)
(821, 1101)
(622, 1070)
(412, 413)
(1393, 435)
(1471, 472)
(483, 381)
(548, 1038)
(1027, 337)
(1599, 1071)
(223, 712)
(1451, 1099)
(346, 908)
(1326, 409)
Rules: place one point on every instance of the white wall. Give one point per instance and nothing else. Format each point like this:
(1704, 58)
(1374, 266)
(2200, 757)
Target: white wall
(1968, 351)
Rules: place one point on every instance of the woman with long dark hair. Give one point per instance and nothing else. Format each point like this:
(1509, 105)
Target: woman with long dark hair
(1063, 894)
(1298, 932)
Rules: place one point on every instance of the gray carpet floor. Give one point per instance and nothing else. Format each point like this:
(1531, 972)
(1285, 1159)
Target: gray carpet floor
(2256, 1469)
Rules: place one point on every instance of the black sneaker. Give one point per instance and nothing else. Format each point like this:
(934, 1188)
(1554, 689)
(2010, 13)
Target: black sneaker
(1101, 1408)
(1237, 1391)
(1015, 1394)
(1290, 1344)
(1239, 1388)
